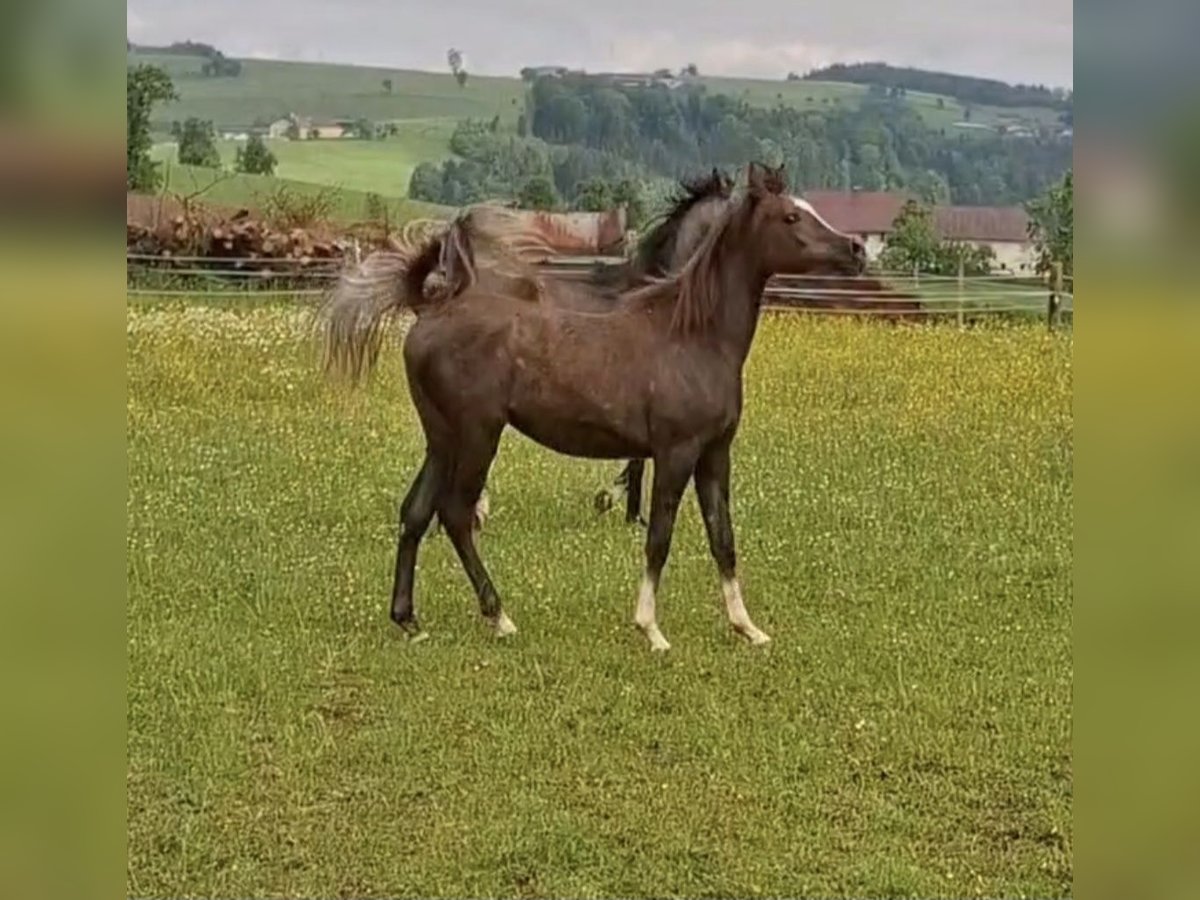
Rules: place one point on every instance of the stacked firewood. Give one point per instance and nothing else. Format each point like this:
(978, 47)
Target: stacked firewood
(190, 235)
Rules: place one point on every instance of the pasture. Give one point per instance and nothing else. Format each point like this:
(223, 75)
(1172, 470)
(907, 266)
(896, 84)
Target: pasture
(383, 166)
(270, 89)
(903, 504)
(820, 94)
(236, 189)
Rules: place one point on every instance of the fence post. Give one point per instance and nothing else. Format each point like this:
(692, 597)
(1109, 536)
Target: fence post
(961, 288)
(1054, 301)
(916, 277)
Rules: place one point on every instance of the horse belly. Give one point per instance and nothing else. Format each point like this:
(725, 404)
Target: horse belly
(579, 417)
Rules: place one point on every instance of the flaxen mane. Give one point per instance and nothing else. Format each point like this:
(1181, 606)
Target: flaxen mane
(659, 243)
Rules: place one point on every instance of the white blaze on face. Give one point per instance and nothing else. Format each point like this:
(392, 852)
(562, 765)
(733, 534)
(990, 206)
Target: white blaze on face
(807, 207)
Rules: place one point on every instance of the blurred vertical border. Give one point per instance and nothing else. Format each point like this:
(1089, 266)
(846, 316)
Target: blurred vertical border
(1137, 613)
(62, 648)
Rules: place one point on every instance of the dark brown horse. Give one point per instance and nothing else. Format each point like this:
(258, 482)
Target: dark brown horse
(659, 376)
(663, 251)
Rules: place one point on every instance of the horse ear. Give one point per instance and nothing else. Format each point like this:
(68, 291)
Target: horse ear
(756, 179)
(776, 180)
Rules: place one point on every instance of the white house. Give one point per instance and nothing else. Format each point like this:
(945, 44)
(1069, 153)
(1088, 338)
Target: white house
(869, 215)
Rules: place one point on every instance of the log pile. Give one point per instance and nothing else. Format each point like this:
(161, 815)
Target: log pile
(235, 241)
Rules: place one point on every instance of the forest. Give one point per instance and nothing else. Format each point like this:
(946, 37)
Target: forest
(577, 131)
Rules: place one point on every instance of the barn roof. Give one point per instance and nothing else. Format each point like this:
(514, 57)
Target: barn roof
(873, 212)
(859, 212)
(982, 223)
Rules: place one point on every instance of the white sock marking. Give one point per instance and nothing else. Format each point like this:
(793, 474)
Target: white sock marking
(503, 625)
(735, 606)
(645, 618)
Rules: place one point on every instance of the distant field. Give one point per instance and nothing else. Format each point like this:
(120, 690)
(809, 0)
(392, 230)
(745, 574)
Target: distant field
(270, 89)
(228, 189)
(822, 94)
(384, 167)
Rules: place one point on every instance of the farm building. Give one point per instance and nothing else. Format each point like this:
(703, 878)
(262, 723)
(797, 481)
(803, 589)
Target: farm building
(305, 128)
(869, 216)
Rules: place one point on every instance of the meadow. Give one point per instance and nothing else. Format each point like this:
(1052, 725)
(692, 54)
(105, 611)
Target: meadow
(268, 89)
(384, 166)
(234, 189)
(903, 503)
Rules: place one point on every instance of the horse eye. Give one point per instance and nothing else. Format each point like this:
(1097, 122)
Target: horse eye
(792, 218)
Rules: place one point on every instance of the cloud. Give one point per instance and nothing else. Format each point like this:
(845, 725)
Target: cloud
(731, 56)
(135, 25)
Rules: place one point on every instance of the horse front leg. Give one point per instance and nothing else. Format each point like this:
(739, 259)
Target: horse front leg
(712, 490)
(671, 474)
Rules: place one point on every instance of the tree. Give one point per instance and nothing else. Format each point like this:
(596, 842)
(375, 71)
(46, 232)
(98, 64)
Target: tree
(426, 183)
(198, 144)
(690, 70)
(594, 196)
(387, 85)
(455, 58)
(629, 193)
(941, 102)
(144, 86)
(912, 244)
(538, 193)
(1052, 226)
(255, 158)
(363, 129)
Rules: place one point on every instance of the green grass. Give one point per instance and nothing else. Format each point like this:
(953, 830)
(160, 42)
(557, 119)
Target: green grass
(270, 89)
(383, 166)
(902, 499)
(818, 95)
(235, 189)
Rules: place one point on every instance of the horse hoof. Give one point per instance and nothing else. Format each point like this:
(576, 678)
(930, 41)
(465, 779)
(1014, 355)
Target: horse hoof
(757, 638)
(603, 501)
(413, 632)
(503, 626)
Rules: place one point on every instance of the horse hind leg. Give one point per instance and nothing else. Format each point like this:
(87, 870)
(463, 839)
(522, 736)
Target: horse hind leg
(416, 512)
(483, 509)
(632, 478)
(457, 508)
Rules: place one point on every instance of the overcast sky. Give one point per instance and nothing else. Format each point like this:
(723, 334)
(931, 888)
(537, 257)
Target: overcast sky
(1014, 40)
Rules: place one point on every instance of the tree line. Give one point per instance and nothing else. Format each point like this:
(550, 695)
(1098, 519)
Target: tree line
(966, 88)
(880, 144)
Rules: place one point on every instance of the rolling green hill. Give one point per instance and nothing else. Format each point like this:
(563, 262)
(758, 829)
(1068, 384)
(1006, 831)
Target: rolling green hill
(270, 89)
(425, 107)
(383, 166)
(234, 189)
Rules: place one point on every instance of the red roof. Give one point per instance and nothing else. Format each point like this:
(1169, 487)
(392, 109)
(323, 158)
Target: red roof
(859, 212)
(981, 223)
(873, 212)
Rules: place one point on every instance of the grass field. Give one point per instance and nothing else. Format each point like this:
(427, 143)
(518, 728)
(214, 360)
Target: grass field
(902, 498)
(819, 94)
(384, 167)
(268, 89)
(233, 189)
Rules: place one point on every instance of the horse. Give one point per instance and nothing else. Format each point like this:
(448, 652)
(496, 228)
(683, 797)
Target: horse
(659, 376)
(663, 250)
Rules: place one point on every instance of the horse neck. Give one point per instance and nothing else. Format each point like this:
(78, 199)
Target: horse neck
(742, 279)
